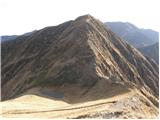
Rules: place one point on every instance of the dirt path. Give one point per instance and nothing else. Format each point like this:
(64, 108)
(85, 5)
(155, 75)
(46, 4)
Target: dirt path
(31, 104)
(26, 107)
(64, 109)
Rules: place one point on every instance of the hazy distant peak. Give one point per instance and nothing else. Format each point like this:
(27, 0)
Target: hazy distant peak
(131, 26)
(125, 24)
(134, 35)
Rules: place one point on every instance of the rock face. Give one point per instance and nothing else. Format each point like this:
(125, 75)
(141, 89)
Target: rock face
(151, 51)
(134, 35)
(79, 53)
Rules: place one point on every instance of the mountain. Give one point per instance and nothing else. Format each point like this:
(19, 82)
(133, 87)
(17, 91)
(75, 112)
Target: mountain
(134, 35)
(151, 51)
(79, 61)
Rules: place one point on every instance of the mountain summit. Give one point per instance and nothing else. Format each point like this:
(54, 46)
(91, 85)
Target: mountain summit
(77, 61)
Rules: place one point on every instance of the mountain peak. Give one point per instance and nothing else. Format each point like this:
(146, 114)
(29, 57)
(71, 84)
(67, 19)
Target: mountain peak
(85, 18)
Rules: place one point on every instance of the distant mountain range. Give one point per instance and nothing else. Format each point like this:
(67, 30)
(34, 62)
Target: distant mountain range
(145, 40)
(134, 35)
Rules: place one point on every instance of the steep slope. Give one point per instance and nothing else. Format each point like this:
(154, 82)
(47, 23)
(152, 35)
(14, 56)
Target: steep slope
(77, 61)
(151, 51)
(133, 35)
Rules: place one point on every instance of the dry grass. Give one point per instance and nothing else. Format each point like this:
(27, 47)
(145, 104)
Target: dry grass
(34, 106)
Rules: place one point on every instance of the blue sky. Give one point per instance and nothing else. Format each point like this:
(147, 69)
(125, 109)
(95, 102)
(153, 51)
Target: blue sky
(20, 16)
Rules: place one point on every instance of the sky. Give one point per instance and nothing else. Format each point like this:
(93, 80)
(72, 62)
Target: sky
(21, 16)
